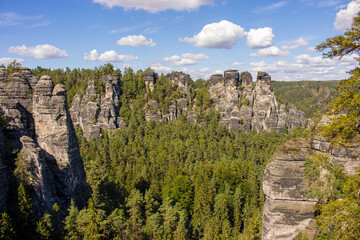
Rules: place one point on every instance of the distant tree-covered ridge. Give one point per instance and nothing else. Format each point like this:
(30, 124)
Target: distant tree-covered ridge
(307, 96)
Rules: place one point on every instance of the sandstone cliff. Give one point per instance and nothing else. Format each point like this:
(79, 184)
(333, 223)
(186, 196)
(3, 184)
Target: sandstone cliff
(242, 106)
(40, 128)
(95, 112)
(287, 210)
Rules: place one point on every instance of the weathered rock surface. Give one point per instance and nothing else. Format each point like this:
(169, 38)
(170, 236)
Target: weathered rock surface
(95, 112)
(181, 79)
(56, 136)
(243, 107)
(150, 80)
(287, 210)
(39, 124)
(39, 175)
(345, 156)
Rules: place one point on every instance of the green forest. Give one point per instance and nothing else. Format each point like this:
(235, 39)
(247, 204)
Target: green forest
(177, 180)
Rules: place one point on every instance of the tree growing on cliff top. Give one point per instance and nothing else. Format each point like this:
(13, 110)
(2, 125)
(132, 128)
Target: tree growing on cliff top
(345, 128)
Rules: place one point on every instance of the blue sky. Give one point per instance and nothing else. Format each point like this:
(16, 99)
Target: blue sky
(199, 37)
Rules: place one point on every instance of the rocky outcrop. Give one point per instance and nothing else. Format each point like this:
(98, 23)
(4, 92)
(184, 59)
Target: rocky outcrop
(346, 156)
(39, 125)
(39, 176)
(181, 79)
(56, 136)
(95, 112)
(150, 80)
(287, 210)
(243, 107)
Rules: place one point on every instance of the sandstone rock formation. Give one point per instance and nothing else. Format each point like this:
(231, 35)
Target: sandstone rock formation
(345, 156)
(242, 106)
(56, 136)
(181, 79)
(95, 112)
(39, 126)
(287, 210)
(150, 80)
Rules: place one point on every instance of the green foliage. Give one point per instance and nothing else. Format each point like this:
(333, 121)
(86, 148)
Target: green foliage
(7, 231)
(345, 128)
(324, 177)
(25, 221)
(44, 227)
(307, 96)
(340, 218)
(13, 66)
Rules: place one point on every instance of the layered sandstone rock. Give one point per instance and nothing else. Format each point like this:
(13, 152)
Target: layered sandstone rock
(39, 126)
(56, 136)
(95, 112)
(287, 210)
(243, 107)
(181, 79)
(40, 178)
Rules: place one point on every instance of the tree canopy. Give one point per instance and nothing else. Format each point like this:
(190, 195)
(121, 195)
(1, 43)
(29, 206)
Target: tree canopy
(345, 127)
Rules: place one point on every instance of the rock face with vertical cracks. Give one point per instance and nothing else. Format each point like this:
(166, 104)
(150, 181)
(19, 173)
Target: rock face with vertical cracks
(242, 106)
(287, 210)
(56, 136)
(94, 111)
(39, 127)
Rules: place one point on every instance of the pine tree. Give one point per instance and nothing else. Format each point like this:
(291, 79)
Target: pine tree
(345, 128)
(71, 231)
(25, 220)
(7, 231)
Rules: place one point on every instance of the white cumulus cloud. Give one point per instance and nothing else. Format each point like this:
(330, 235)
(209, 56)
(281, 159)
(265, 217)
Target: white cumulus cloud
(7, 61)
(44, 51)
(108, 56)
(136, 41)
(297, 44)
(260, 38)
(156, 5)
(272, 51)
(237, 63)
(345, 17)
(186, 59)
(223, 34)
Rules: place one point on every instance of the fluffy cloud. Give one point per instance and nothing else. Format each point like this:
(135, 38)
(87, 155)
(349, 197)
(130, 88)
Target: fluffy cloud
(136, 41)
(306, 67)
(344, 17)
(237, 63)
(155, 5)
(158, 67)
(108, 56)
(260, 38)
(297, 44)
(223, 34)
(272, 51)
(186, 59)
(44, 51)
(7, 61)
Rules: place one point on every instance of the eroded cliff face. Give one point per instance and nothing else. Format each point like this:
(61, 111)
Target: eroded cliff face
(95, 112)
(242, 106)
(287, 210)
(40, 128)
